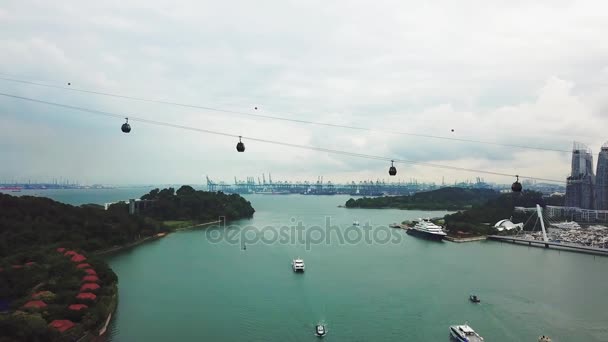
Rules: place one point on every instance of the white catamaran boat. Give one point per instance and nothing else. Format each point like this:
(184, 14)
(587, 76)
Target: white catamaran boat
(427, 229)
(464, 333)
(298, 265)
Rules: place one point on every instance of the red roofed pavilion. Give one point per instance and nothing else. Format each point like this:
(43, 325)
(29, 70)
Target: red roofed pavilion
(60, 249)
(78, 258)
(83, 266)
(35, 304)
(90, 278)
(77, 307)
(89, 286)
(86, 295)
(70, 253)
(90, 271)
(62, 324)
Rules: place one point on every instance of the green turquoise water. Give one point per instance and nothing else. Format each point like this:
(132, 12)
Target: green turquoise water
(187, 287)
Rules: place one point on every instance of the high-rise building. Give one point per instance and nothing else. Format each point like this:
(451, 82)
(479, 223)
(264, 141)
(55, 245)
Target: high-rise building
(601, 184)
(580, 186)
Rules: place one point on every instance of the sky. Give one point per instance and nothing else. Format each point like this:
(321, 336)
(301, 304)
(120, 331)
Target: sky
(531, 73)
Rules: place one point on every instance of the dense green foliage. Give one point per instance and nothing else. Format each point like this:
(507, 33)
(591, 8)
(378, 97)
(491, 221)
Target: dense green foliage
(54, 273)
(480, 219)
(28, 222)
(441, 199)
(189, 204)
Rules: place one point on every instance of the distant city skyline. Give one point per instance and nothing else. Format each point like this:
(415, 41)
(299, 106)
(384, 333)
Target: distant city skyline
(430, 69)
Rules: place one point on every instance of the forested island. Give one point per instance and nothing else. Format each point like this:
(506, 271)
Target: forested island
(441, 199)
(52, 286)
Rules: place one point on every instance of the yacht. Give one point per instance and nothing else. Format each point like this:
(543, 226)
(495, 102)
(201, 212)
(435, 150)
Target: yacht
(427, 229)
(320, 330)
(464, 333)
(298, 265)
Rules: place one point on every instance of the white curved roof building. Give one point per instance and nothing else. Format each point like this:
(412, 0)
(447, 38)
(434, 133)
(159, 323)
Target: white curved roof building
(506, 224)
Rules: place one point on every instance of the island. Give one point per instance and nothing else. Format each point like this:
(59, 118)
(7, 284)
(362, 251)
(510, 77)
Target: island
(54, 286)
(449, 198)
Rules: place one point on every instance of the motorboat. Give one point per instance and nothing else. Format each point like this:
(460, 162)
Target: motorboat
(298, 265)
(356, 223)
(464, 333)
(427, 229)
(544, 339)
(474, 299)
(320, 330)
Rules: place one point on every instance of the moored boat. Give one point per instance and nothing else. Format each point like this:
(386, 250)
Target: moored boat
(426, 229)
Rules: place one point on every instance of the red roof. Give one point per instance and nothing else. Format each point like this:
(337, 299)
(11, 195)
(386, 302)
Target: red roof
(78, 258)
(35, 304)
(1, 269)
(83, 266)
(60, 249)
(86, 295)
(70, 253)
(62, 324)
(30, 263)
(41, 293)
(90, 271)
(77, 307)
(90, 278)
(17, 266)
(89, 286)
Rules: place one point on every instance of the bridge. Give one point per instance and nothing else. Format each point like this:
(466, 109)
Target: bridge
(545, 240)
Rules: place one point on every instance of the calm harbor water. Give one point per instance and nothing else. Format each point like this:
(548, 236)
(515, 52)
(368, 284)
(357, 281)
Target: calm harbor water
(188, 287)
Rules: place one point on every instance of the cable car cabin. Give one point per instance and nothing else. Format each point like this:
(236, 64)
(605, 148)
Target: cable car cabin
(126, 128)
(516, 187)
(240, 147)
(392, 170)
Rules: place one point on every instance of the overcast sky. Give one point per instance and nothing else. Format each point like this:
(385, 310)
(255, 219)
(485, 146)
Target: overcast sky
(517, 72)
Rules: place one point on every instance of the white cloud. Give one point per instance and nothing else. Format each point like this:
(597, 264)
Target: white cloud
(512, 72)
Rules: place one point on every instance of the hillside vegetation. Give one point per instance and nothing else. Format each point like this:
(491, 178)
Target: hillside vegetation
(441, 199)
(27, 222)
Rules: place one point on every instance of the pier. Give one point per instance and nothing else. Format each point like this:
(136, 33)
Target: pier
(548, 244)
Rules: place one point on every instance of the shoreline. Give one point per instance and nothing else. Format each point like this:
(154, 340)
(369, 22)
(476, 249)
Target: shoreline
(466, 239)
(149, 238)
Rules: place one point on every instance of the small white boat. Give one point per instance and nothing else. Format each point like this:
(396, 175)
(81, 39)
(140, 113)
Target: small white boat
(464, 333)
(356, 223)
(544, 339)
(298, 265)
(320, 330)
